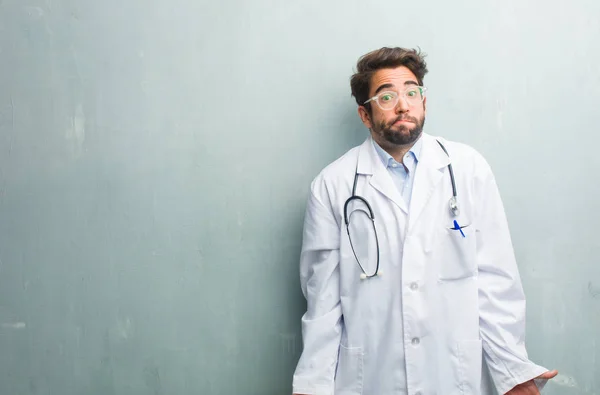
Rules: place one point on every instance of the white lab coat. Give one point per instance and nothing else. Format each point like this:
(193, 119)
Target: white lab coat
(444, 304)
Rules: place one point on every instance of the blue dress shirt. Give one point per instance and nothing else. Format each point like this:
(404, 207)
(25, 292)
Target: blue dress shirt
(403, 174)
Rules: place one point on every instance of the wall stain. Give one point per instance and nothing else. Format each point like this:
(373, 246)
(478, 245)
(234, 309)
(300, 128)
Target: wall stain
(594, 290)
(152, 378)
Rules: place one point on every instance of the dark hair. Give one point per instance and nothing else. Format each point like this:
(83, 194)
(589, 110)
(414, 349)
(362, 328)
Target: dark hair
(384, 58)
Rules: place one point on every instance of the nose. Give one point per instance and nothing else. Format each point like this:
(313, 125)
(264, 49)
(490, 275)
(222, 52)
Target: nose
(402, 105)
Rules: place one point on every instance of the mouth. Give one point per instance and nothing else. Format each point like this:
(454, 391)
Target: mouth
(403, 121)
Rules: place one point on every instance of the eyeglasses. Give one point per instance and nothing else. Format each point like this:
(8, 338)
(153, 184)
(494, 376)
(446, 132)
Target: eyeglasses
(388, 100)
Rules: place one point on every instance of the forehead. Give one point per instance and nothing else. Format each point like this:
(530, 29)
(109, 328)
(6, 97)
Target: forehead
(397, 77)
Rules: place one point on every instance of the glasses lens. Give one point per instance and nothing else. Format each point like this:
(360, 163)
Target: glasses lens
(414, 94)
(388, 100)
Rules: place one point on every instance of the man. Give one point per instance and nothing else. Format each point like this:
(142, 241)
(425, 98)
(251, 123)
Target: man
(407, 264)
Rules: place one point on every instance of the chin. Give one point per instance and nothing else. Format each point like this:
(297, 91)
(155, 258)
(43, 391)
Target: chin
(404, 137)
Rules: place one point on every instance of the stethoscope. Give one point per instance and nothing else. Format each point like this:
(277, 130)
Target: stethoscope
(453, 204)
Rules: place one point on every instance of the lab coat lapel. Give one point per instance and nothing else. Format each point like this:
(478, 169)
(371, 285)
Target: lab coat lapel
(430, 170)
(369, 163)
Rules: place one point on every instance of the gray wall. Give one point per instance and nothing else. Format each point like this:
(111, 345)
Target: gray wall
(155, 158)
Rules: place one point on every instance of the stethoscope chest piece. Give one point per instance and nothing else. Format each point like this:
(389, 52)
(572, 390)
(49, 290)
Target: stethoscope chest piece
(454, 206)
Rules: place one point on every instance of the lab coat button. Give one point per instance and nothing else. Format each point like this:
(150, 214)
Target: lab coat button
(414, 286)
(416, 341)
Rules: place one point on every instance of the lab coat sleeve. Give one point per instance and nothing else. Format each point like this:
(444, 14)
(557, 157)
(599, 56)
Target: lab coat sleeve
(501, 295)
(319, 278)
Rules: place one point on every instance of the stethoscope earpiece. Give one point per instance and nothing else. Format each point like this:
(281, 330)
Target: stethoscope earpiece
(363, 276)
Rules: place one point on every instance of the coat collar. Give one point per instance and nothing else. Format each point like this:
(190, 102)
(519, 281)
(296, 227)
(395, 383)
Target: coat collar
(432, 162)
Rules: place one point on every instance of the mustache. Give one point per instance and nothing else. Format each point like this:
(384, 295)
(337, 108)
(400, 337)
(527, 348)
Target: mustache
(405, 118)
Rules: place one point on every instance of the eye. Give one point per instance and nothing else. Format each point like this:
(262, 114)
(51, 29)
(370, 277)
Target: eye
(412, 93)
(386, 97)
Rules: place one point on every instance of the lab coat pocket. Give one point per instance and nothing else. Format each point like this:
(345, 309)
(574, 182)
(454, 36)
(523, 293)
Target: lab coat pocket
(349, 372)
(470, 362)
(457, 253)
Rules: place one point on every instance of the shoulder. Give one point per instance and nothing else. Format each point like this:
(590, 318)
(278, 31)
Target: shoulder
(339, 167)
(459, 150)
(336, 176)
(465, 157)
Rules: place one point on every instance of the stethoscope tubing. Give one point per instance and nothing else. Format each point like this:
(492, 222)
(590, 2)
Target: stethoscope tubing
(453, 203)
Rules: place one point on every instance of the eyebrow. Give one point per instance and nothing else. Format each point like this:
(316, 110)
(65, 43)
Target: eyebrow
(385, 86)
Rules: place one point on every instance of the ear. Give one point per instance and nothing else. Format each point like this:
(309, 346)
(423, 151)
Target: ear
(425, 106)
(365, 117)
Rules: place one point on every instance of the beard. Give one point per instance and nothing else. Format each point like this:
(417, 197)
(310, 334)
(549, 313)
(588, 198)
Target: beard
(400, 135)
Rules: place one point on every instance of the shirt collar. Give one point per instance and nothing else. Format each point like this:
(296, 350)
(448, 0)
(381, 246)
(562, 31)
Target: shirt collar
(387, 159)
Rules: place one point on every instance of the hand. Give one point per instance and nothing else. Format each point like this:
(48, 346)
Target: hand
(529, 387)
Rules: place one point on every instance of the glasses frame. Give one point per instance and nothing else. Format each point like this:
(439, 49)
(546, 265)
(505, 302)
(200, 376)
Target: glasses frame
(375, 98)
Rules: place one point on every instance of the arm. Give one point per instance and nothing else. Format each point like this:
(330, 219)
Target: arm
(319, 278)
(501, 296)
